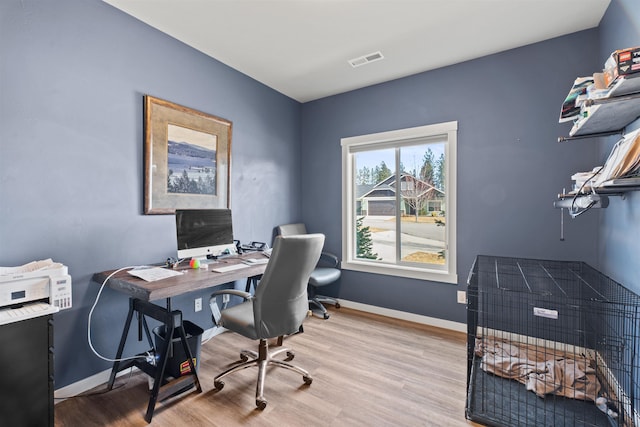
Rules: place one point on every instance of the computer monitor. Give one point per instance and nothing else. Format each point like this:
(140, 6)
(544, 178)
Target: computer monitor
(204, 233)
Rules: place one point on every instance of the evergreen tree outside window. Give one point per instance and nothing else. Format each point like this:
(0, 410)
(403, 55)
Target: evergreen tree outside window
(364, 242)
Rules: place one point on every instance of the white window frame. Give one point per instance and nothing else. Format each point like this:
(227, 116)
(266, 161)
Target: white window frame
(393, 139)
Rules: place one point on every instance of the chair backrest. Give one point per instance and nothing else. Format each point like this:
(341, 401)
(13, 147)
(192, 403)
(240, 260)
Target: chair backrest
(280, 302)
(291, 229)
(327, 260)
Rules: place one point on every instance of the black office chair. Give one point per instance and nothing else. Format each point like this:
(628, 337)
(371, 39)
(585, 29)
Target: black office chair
(324, 274)
(277, 308)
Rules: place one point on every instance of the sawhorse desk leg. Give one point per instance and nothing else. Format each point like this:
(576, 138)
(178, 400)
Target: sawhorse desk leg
(252, 280)
(172, 320)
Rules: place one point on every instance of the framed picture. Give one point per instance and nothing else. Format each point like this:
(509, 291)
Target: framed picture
(187, 157)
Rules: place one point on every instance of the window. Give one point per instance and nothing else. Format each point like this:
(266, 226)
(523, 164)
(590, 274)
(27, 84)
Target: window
(398, 195)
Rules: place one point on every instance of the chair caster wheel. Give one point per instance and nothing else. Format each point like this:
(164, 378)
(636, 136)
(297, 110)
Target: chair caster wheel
(337, 305)
(219, 385)
(326, 316)
(290, 356)
(261, 404)
(307, 380)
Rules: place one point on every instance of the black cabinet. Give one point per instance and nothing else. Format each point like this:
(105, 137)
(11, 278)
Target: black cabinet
(26, 373)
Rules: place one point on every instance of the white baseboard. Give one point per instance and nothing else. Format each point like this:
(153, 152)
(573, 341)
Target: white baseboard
(85, 384)
(103, 377)
(402, 315)
(212, 332)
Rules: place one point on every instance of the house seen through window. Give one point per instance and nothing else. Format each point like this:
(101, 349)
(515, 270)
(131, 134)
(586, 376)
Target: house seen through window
(399, 202)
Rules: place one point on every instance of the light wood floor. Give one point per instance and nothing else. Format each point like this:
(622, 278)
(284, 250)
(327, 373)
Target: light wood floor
(367, 371)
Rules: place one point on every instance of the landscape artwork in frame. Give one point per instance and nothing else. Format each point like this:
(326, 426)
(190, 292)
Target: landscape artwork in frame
(191, 156)
(187, 158)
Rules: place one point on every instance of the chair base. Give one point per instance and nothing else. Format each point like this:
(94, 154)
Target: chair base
(318, 301)
(262, 359)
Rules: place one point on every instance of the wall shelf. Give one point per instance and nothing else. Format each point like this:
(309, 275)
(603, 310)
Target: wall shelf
(596, 198)
(616, 191)
(605, 116)
(612, 114)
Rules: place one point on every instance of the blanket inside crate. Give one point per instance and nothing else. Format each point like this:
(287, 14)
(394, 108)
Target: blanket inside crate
(542, 370)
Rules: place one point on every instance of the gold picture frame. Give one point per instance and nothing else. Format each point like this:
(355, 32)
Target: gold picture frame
(187, 158)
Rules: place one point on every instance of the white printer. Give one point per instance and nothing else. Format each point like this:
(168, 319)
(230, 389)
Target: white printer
(34, 289)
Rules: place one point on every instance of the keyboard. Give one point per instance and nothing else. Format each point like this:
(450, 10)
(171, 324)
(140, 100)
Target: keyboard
(256, 261)
(228, 268)
(29, 311)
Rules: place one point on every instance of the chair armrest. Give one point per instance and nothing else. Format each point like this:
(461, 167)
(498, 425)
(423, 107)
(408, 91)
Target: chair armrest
(236, 292)
(327, 258)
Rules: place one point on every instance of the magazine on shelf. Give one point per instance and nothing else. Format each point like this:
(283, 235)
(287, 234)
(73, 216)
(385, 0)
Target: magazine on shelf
(623, 160)
(570, 108)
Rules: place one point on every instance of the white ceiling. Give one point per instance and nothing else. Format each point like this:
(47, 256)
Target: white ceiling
(301, 48)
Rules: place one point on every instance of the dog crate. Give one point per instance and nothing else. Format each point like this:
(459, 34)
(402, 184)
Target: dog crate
(550, 343)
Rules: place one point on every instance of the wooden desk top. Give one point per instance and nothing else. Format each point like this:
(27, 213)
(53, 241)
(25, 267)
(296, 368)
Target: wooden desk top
(191, 279)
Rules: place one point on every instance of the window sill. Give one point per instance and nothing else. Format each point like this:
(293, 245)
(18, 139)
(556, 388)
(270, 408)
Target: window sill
(400, 271)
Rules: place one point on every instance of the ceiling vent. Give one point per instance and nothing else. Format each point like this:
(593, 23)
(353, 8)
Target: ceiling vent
(366, 59)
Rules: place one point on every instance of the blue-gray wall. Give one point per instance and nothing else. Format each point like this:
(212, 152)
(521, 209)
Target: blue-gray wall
(72, 79)
(510, 165)
(619, 230)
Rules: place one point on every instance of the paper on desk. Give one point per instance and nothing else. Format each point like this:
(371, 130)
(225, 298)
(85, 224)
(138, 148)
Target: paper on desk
(153, 273)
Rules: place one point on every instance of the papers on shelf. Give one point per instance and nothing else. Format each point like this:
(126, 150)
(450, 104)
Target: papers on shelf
(152, 274)
(598, 117)
(584, 180)
(624, 86)
(633, 181)
(623, 161)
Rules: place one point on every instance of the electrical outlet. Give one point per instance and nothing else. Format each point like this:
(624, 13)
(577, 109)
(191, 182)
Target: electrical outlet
(198, 305)
(225, 298)
(462, 297)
